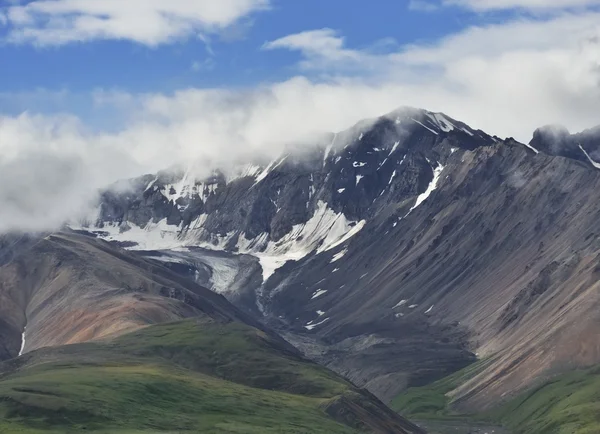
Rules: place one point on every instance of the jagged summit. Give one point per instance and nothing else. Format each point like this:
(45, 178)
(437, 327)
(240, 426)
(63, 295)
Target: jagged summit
(556, 140)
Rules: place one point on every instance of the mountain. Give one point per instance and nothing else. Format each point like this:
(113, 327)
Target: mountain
(112, 342)
(410, 247)
(556, 140)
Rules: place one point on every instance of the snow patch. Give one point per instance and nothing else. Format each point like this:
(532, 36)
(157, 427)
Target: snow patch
(155, 236)
(430, 309)
(324, 231)
(401, 303)
(426, 127)
(151, 184)
(318, 293)
(359, 164)
(358, 178)
(338, 256)
(22, 342)
(320, 313)
(312, 326)
(343, 238)
(596, 165)
(535, 150)
(341, 190)
(430, 189)
(274, 165)
(250, 170)
(441, 121)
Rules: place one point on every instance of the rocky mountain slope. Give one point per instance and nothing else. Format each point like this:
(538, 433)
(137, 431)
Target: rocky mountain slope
(66, 288)
(402, 252)
(111, 342)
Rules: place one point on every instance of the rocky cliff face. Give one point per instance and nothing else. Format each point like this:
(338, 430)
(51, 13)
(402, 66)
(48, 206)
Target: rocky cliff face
(410, 246)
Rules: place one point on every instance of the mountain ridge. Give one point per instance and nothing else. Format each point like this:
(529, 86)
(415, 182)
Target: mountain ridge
(364, 253)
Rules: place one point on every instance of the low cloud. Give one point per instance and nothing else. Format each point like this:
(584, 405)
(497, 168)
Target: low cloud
(147, 22)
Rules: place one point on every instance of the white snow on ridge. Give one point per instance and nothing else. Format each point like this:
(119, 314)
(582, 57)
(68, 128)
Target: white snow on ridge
(151, 184)
(426, 127)
(274, 165)
(251, 170)
(341, 190)
(335, 239)
(441, 121)
(430, 189)
(533, 149)
(430, 309)
(401, 303)
(318, 293)
(312, 326)
(595, 164)
(358, 178)
(22, 342)
(155, 236)
(324, 231)
(338, 256)
(359, 164)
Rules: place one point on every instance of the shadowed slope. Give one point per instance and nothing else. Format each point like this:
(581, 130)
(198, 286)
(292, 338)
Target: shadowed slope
(198, 376)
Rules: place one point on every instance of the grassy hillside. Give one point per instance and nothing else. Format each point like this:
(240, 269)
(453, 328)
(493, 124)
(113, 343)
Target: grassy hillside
(430, 402)
(196, 376)
(568, 404)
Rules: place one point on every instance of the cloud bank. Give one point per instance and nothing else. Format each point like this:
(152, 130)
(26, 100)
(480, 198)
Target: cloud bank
(147, 22)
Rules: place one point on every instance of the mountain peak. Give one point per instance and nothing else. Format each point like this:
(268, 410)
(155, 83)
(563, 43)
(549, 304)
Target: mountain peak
(556, 140)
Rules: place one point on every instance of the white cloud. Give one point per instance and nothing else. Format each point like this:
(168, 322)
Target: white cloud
(325, 49)
(203, 65)
(486, 5)
(507, 79)
(148, 22)
(423, 6)
(323, 42)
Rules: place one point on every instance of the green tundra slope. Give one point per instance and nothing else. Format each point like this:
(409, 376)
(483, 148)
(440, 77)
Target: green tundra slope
(195, 376)
(566, 404)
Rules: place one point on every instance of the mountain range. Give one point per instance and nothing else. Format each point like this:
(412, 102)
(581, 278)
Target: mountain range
(437, 268)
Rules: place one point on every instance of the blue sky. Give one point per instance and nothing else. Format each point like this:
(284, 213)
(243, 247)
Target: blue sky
(62, 76)
(129, 65)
